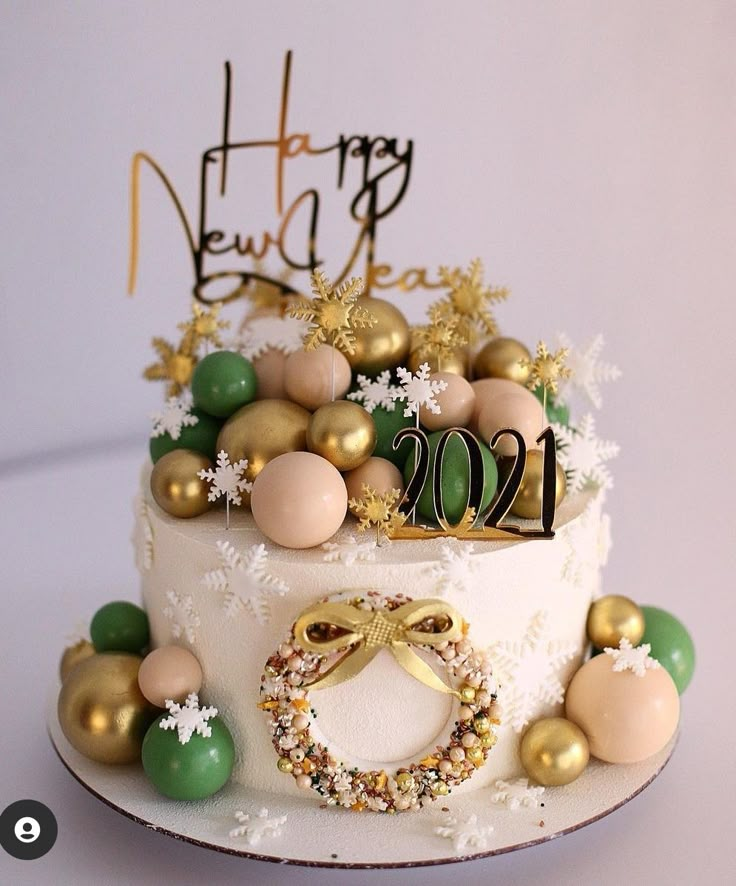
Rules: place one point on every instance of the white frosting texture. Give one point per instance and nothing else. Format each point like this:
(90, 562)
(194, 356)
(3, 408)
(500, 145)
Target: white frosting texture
(526, 603)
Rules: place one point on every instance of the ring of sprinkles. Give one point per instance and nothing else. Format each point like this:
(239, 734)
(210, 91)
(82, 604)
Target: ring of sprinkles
(285, 697)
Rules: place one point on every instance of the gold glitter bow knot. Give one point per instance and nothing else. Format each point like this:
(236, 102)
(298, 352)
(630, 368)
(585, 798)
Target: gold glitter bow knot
(372, 630)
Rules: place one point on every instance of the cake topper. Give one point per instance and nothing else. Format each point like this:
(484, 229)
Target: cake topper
(226, 262)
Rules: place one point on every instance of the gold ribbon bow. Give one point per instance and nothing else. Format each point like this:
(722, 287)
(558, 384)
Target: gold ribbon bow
(369, 631)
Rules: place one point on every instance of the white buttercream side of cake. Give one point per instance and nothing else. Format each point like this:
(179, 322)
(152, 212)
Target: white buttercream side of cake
(526, 602)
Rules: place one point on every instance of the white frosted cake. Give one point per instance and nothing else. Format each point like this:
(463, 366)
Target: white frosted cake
(526, 603)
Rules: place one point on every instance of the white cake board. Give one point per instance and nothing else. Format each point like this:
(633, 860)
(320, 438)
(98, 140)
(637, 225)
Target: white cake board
(342, 839)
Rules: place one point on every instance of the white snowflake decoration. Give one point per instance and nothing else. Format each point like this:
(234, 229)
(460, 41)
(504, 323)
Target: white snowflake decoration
(454, 569)
(270, 332)
(376, 392)
(515, 794)
(418, 390)
(349, 551)
(142, 535)
(175, 416)
(632, 658)
(243, 580)
(532, 671)
(188, 718)
(226, 479)
(583, 456)
(180, 612)
(255, 827)
(465, 833)
(588, 370)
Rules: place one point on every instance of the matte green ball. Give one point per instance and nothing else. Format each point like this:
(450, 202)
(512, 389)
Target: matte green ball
(223, 382)
(119, 627)
(201, 437)
(558, 413)
(455, 478)
(190, 771)
(671, 644)
(388, 424)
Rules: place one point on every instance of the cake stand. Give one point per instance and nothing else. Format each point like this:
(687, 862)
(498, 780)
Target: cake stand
(320, 837)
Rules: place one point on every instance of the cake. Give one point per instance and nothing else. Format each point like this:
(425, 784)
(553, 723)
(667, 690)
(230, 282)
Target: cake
(370, 554)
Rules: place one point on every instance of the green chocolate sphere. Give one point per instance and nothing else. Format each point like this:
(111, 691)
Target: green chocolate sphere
(455, 478)
(201, 437)
(388, 424)
(119, 627)
(671, 645)
(223, 382)
(190, 771)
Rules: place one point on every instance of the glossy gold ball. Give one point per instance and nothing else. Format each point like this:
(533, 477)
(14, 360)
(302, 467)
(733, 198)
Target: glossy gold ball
(612, 618)
(261, 431)
(528, 501)
(102, 712)
(175, 485)
(386, 344)
(554, 751)
(343, 433)
(72, 655)
(500, 357)
(457, 362)
(284, 764)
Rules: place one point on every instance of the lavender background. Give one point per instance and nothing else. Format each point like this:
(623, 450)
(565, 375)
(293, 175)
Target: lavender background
(584, 149)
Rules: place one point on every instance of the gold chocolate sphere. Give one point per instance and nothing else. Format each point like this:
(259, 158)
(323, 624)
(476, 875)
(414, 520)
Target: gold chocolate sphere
(102, 711)
(343, 433)
(528, 501)
(383, 346)
(554, 751)
(612, 618)
(262, 430)
(72, 655)
(175, 485)
(457, 362)
(500, 357)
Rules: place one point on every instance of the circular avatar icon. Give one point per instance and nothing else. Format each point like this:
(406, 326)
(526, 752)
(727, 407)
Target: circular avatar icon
(28, 829)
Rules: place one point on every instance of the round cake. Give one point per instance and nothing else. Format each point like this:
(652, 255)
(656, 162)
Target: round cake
(526, 603)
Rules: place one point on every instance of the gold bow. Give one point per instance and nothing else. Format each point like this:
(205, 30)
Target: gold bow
(373, 630)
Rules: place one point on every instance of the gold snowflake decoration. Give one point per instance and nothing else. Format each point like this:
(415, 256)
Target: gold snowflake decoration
(333, 312)
(378, 510)
(470, 299)
(175, 364)
(441, 337)
(546, 368)
(205, 324)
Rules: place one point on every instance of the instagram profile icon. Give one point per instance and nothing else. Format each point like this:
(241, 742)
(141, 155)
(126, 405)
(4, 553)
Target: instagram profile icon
(28, 829)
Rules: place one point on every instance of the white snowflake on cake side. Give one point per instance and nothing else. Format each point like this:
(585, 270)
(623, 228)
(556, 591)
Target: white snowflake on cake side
(255, 827)
(182, 615)
(270, 333)
(349, 551)
(588, 370)
(375, 392)
(418, 390)
(173, 418)
(530, 671)
(245, 582)
(632, 658)
(142, 535)
(465, 833)
(188, 718)
(517, 793)
(455, 568)
(583, 455)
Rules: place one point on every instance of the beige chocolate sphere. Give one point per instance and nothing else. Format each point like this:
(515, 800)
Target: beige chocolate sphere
(456, 402)
(270, 368)
(519, 410)
(308, 376)
(486, 389)
(378, 473)
(169, 672)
